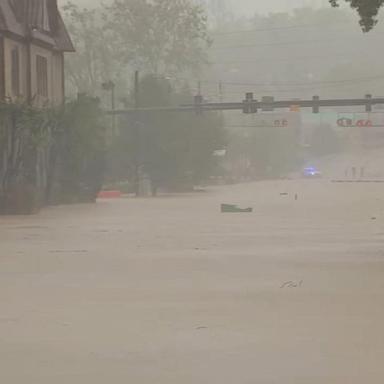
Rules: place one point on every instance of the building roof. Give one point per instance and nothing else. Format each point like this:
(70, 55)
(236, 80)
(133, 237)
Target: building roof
(38, 19)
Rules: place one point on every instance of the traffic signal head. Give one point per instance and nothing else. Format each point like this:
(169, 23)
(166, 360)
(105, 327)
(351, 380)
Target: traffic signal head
(368, 106)
(315, 105)
(249, 104)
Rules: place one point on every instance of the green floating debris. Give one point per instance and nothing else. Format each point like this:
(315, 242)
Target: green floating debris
(231, 208)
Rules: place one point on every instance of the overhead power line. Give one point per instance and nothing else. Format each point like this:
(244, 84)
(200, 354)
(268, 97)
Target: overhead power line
(358, 79)
(282, 28)
(296, 58)
(287, 43)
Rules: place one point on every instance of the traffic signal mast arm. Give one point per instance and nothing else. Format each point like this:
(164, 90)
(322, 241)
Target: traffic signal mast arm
(250, 105)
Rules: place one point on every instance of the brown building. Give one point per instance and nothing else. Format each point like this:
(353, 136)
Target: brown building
(33, 40)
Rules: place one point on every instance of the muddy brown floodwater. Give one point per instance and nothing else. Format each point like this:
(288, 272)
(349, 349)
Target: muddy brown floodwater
(171, 291)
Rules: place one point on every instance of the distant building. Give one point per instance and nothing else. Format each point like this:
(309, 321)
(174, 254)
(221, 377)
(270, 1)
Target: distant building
(33, 40)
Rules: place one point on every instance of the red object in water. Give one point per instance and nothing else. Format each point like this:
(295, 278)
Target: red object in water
(109, 194)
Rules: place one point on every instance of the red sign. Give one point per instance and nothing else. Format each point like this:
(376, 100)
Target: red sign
(281, 123)
(346, 122)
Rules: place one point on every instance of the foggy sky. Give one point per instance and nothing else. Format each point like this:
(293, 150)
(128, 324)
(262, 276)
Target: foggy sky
(266, 6)
(247, 6)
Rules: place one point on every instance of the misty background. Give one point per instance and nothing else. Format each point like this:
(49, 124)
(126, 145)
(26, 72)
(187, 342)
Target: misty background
(243, 7)
(282, 49)
(289, 48)
(224, 247)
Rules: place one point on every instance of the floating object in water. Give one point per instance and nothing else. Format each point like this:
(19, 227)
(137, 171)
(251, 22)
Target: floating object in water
(109, 194)
(231, 208)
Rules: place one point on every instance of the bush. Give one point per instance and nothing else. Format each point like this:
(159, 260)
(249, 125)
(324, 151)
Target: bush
(50, 156)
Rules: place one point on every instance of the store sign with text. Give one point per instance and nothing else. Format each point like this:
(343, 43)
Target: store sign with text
(350, 122)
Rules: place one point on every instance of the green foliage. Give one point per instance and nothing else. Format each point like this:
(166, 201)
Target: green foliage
(161, 36)
(174, 149)
(50, 155)
(178, 149)
(24, 138)
(97, 58)
(80, 146)
(367, 9)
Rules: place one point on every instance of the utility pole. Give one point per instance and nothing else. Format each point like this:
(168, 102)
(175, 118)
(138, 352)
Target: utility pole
(137, 90)
(110, 86)
(136, 131)
(221, 93)
(113, 103)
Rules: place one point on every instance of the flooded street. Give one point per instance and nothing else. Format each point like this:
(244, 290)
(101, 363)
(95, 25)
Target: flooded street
(171, 291)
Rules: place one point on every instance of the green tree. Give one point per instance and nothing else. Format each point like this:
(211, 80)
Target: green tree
(78, 152)
(24, 141)
(367, 9)
(52, 155)
(159, 36)
(96, 59)
(174, 149)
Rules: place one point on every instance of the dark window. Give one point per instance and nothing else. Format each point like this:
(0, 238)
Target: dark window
(15, 79)
(42, 75)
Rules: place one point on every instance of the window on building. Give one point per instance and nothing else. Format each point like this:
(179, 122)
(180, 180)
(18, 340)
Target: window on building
(42, 76)
(15, 76)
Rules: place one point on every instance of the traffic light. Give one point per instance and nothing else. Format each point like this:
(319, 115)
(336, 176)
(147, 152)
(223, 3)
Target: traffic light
(249, 104)
(315, 105)
(368, 106)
